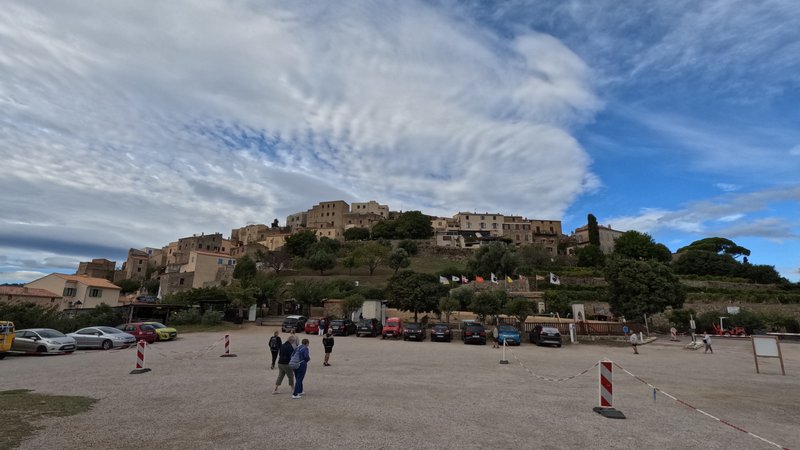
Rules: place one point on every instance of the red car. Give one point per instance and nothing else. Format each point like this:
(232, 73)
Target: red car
(312, 325)
(140, 331)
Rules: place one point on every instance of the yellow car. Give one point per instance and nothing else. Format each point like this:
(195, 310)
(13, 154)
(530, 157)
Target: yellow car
(163, 332)
(7, 334)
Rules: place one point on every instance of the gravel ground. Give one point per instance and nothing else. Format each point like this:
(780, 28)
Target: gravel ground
(394, 394)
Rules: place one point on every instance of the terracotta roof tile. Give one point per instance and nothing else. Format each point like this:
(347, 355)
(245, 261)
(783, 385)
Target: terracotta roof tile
(27, 292)
(89, 281)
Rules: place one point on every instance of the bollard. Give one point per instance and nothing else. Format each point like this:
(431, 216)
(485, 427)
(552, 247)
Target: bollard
(504, 360)
(606, 392)
(140, 347)
(227, 353)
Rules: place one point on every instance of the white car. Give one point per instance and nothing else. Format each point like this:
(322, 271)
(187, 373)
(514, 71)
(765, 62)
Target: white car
(102, 337)
(43, 340)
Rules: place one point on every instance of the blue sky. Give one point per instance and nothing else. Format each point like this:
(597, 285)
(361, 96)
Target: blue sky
(130, 124)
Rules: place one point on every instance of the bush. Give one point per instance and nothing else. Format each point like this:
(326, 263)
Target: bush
(212, 318)
(187, 317)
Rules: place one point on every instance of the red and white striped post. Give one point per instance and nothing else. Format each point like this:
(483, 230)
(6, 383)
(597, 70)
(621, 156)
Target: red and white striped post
(605, 384)
(606, 391)
(140, 347)
(227, 353)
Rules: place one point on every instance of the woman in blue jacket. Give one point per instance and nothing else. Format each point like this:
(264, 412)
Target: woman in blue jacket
(300, 372)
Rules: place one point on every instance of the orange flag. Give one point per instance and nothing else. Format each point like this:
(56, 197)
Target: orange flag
(479, 279)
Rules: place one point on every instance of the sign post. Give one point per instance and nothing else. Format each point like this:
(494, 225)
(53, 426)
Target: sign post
(767, 347)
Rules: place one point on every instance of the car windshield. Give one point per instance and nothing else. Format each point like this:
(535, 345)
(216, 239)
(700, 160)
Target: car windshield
(475, 327)
(365, 323)
(549, 330)
(337, 322)
(313, 322)
(506, 328)
(109, 330)
(157, 325)
(147, 328)
(412, 326)
(50, 334)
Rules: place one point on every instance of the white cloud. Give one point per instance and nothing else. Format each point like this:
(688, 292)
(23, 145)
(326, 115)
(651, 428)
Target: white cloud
(20, 276)
(727, 187)
(126, 124)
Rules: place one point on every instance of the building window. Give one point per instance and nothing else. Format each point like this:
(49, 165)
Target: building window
(483, 225)
(139, 269)
(94, 292)
(70, 292)
(219, 260)
(494, 226)
(140, 262)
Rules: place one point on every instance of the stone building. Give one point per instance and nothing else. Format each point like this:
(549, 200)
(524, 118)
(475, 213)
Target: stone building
(607, 237)
(97, 268)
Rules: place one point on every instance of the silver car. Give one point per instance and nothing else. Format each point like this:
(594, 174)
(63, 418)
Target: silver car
(102, 337)
(42, 340)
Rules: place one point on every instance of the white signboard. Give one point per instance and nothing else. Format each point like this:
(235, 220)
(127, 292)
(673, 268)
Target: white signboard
(733, 310)
(541, 307)
(578, 313)
(767, 347)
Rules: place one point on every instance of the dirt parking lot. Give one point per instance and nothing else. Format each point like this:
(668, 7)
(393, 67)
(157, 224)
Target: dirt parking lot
(395, 394)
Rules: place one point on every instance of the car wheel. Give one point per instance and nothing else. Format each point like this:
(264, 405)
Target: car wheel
(41, 349)
(106, 344)
(558, 345)
(2, 355)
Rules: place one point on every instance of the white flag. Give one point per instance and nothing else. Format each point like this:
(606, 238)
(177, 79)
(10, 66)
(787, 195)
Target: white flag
(455, 278)
(494, 278)
(443, 280)
(554, 279)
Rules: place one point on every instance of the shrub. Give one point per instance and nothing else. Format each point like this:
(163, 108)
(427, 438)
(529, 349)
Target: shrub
(187, 317)
(212, 318)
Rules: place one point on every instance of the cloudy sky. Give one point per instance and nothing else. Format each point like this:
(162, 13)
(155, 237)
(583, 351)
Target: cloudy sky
(133, 123)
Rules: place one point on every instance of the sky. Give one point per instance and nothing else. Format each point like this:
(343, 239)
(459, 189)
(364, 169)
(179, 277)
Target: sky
(134, 123)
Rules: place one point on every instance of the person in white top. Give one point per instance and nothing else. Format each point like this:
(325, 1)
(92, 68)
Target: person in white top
(707, 343)
(634, 340)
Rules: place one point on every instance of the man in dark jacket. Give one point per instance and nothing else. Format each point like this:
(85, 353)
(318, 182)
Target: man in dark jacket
(327, 342)
(284, 355)
(274, 348)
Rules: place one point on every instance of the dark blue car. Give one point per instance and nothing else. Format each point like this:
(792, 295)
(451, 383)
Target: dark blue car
(508, 334)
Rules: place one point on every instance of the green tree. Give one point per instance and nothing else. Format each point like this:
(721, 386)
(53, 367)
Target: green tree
(299, 243)
(488, 303)
(638, 287)
(411, 291)
(717, 245)
(326, 244)
(636, 245)
(385, 229)
(372, 255)
(594, 230)
(152, 286)
(277, 260)
(308, 293)
(497, 257)
(127, 286)
(447, 305)
(267, 288)
(398, 259)
(321, 260)
(196, 296)
(413, 225)
(699, 262)
(532, 256)
(350, 262)
(464, 296)
(590, 256)
(245, 270)
(356, 234)
(351, 304)
(409, 246)
(241, 295)
(521, 308)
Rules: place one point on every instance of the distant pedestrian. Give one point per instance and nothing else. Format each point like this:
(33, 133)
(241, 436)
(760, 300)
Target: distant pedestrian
(284, 356)
(321, 327)
(327, 343)
(673, 334)
(707, 343)
(303, 356)
(274, 347)
(495, 337)
(634, 340)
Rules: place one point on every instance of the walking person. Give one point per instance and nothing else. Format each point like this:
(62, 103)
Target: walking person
(707, 343)
(303, 356)
(495, 337)
(274, 347)
(634, 340)
(284, 356)
(327, 342)
(321, 327)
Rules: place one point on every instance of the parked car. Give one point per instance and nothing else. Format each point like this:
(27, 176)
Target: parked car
(393, 328)
(312, 325)
(343, 327)
(414, 331)
(102, 337)
(163, 332)
(508, 334)
(140, 331)
(43, 340)
(474, 332)
(294, 323)
(369, 327)
(545, 335)
(7, 334)
(441, 332)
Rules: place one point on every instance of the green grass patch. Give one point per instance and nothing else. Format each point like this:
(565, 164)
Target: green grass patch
(21, 408)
